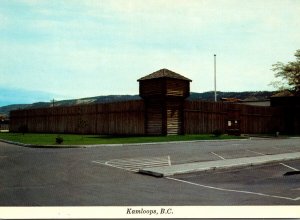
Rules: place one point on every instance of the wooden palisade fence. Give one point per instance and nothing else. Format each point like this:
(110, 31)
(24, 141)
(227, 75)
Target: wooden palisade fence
(129, 118)
(124, 118)
(206, 117)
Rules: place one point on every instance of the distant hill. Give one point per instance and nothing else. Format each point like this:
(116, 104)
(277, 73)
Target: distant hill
(207, 96)
(249, 96)
(4, 110)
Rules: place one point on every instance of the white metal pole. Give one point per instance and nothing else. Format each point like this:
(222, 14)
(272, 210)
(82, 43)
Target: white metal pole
(215, 77)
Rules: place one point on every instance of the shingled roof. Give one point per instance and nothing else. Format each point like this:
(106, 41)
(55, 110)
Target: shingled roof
(164, 73)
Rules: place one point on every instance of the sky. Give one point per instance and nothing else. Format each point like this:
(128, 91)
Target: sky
(65, 49)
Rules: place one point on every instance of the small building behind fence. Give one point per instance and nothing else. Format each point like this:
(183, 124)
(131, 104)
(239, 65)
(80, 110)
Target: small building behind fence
(4, 124)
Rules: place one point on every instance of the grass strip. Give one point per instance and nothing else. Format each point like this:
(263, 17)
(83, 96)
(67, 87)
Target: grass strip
(77, 139)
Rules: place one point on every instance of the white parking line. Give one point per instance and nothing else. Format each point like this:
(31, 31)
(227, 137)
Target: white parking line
(236, 144)
(169, 161)
(231, 190)
(278, 148)
(218, 155)
(292, 168)
(106, 164)
(255, 152)
(135, 164)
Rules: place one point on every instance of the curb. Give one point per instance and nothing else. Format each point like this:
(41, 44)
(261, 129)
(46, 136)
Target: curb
(164, 142)
(213, 165)
(41, 146)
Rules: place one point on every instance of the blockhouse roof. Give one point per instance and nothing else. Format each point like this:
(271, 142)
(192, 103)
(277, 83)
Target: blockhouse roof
(164, 73)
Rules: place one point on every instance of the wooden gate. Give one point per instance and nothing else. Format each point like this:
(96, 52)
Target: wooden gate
(174, 111)
(154, 110)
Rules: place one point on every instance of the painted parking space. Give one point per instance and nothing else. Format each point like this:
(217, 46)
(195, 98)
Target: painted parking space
(273, 150)
(251, 152)
(267, 180)
(135, 164)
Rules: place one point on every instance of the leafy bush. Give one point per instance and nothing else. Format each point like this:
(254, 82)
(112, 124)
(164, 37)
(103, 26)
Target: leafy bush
(23, 129)
(59, 140)
(217, 132)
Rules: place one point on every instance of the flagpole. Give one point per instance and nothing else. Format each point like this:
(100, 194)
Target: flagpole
(215, 77)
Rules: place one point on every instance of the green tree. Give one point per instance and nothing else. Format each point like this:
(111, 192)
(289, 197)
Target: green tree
(289, 74)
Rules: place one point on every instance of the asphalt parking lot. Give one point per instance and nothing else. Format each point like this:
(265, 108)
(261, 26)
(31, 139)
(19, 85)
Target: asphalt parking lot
(106, 175)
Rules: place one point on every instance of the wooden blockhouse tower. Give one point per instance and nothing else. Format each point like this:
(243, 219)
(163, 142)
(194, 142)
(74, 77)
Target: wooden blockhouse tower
(164, 92)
